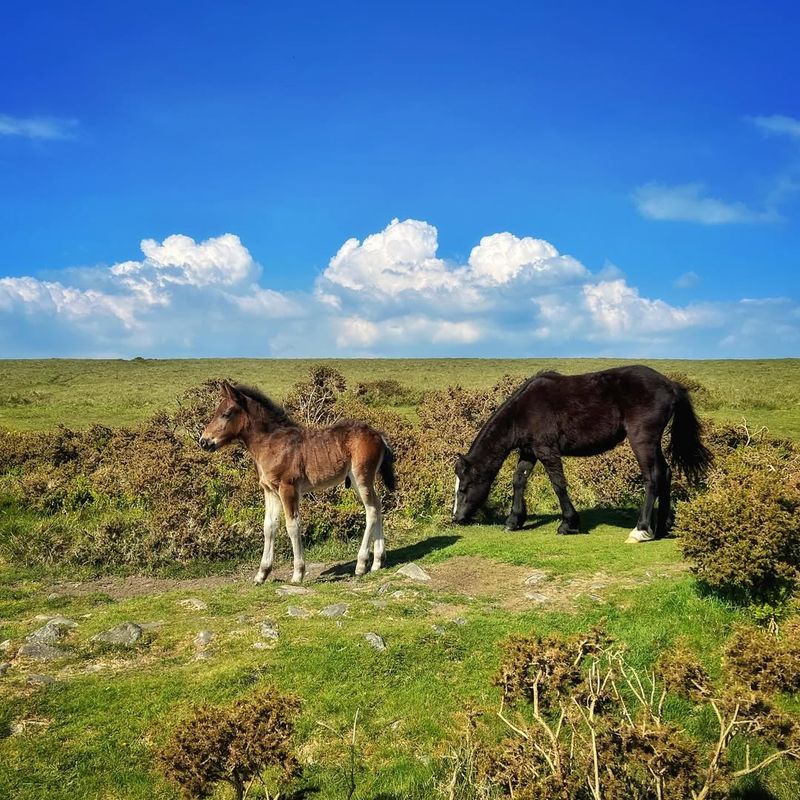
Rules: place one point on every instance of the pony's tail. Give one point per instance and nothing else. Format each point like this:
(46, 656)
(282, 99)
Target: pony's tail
(686, 449)
(387, 467)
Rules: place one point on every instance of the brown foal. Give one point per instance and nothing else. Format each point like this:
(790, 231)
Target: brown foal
(292, 460)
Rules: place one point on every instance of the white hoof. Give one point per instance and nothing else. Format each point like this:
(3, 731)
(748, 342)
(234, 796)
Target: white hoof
(361, 568)
(636, 537)
(297, 577)
(259, 578)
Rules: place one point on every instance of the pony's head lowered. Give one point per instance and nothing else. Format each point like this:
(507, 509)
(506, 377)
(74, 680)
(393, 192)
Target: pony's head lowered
(228, 421)
(472, 489)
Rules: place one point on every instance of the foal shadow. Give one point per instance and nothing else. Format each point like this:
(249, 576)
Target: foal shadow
(395, 557)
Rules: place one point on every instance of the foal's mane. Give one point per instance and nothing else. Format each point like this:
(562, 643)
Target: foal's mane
(265, 409)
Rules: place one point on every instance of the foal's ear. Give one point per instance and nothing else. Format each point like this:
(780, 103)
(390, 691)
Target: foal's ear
(230, 392)
(462, 465)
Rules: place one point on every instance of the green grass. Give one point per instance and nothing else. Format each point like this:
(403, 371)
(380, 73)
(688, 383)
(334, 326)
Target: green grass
(37, 395)
(108, 710)
(103, 723)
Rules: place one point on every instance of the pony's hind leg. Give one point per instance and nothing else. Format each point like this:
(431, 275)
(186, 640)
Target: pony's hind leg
(519, 511)
(653, 466)
(272, 516)
(373, 530)
(290, 498)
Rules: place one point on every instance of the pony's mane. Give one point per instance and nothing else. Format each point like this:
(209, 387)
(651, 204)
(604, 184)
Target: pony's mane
(268, 409)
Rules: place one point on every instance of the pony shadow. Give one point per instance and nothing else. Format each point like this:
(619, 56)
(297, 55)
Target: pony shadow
(394, 557)
(591, 518)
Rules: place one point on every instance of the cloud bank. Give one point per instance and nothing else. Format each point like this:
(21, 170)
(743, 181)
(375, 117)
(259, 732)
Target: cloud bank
(389, 294)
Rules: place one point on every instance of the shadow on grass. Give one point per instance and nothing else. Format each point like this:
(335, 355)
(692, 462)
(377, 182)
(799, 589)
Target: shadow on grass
(591, 518)
(396, 556)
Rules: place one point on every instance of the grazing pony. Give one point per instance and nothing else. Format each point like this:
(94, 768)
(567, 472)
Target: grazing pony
(292, 460)
(554, 415)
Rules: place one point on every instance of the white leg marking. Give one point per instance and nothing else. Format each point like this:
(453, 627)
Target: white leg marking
(455, 497)
(373, 530)
(295, 530)
(636, 537)
(272, 516)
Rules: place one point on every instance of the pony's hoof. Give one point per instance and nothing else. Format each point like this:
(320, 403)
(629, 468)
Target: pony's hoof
(260, 578)
(297, 577)
(513, 524)
(637, 536)
(565, 529)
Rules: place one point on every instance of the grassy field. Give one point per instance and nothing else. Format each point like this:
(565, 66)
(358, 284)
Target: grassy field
(41, 394)
(91, 733)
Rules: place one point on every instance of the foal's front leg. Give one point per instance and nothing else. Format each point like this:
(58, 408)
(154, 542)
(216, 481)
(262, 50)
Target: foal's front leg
(272, 516)
(290, 498)
(519, 511)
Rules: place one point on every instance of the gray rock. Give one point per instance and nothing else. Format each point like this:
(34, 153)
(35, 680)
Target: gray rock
(459, 621)
(335, 610)
(384, 588)
(381, 604)
(536, 597)
(438, 629)
(268, 630)
(4, 667)
(40, 651)
(40, 680)
(597, 598)
(298, 611)
(194, 604)
(126, 634)
(292, 591)
(398, 595)
(51, 631)
(414, 571)
(21, 726)
(204, 638)
(5, 646)
(261, 645)
(53, 596)
(535, 577)
(375, 641)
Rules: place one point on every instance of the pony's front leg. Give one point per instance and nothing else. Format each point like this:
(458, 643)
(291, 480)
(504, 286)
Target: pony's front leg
(519, 511)
(272, 516)
(290, 498)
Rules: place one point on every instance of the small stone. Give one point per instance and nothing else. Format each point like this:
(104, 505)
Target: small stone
(398, 595)
(53, 596)
(536, 597)
(261, 645)
(384, 588)
(194, 604)
(51, 631)
(375, 641)
(335, 610)
(292, 591)
(381, 604)
(535, 577)
(596, 598)
(40, 680)
(438, 629)
(28, 726)
(459, 621)
(268, 630)
(414, 571)
(298, 611)
(126, 634)
(40, 651)
(204, 638)
(5, 646)
(4, 667)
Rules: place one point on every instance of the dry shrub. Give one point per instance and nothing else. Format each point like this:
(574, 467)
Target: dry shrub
(584, 724)
(766, 661)
(232, 744)
(313, 402)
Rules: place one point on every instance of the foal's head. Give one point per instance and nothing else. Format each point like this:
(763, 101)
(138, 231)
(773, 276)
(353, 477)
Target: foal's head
(228, 421)
(472, 489)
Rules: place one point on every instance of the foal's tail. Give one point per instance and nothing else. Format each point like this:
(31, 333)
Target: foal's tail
(686, 449)
(387, 467)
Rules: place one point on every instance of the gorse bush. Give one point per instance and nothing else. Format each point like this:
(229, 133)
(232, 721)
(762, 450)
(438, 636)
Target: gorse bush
(581, 723)
(232, 744)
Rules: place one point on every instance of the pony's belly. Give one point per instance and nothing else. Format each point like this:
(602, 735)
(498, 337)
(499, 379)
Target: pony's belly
(594, 447)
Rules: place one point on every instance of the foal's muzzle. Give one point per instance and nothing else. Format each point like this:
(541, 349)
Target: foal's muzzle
(208, 445)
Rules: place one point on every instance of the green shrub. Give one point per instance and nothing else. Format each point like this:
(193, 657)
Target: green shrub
(742, 536)
(766, 661)
(232, 744)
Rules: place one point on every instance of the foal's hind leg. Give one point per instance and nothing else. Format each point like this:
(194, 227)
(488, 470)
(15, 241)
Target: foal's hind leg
(364, 482)
(519, 512)
(570, 522)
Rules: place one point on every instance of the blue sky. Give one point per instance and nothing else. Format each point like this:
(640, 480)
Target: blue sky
(573, 179)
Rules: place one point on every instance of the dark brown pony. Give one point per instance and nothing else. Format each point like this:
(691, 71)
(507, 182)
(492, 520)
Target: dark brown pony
(554, 415)
(292, 460)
